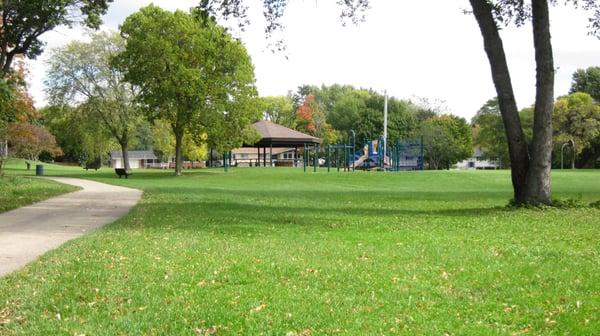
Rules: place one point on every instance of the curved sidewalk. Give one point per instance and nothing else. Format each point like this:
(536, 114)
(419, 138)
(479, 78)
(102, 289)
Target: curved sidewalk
(28, 232)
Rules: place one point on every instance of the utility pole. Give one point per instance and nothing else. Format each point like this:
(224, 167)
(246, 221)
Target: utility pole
(385, 124)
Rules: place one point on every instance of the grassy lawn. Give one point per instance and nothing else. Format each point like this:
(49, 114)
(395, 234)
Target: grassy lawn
(17, 191)
(279, 252)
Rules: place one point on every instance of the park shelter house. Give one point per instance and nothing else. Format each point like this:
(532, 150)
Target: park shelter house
(137, 159)
(279, 146)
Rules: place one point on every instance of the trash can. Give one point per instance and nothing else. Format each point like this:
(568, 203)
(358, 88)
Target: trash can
(39, 170)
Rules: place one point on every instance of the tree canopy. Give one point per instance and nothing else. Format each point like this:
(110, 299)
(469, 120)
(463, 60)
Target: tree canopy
(587, 80)
(191, 73)
(81, 74)
(24, 21)
(489, 132)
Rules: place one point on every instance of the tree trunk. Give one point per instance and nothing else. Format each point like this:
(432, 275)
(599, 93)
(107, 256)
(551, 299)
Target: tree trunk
(538, 178)
(125, 151)
(517, 145)
(178, 144)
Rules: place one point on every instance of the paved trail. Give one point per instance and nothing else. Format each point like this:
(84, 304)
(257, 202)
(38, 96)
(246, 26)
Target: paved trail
(28, 232)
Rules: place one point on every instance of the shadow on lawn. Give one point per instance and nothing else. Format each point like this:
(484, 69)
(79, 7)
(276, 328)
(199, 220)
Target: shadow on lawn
(232, 217)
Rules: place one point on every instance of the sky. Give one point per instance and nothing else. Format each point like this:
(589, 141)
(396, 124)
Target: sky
(411, 48)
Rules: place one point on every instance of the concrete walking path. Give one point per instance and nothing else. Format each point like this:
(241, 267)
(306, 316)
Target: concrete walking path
(30, 231)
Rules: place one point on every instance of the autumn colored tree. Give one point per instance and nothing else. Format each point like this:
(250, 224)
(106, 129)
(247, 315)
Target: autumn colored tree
(304, 115)
(28, 141)
(16, 106)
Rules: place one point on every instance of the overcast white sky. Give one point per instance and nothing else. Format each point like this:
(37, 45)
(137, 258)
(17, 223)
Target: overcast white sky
(424, 48)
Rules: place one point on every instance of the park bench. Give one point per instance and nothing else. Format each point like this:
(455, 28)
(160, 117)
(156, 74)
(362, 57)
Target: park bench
(122, 172)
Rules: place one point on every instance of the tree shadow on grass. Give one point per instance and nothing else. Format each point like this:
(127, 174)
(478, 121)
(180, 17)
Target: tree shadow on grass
(232, 217)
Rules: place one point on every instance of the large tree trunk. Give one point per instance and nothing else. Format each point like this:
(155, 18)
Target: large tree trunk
(517, 144)
(538, 178)
(178, 144)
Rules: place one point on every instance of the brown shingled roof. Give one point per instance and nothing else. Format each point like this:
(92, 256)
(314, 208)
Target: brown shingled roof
(281, 136)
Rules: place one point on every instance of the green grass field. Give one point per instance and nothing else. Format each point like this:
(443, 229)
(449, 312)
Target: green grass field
(17, 191)
(279, 252)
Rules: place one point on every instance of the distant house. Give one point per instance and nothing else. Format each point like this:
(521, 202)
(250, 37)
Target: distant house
(477, 161)
(137, 159)
(248, 156)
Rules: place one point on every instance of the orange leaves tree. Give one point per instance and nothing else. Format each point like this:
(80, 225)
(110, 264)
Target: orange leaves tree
(28, 141)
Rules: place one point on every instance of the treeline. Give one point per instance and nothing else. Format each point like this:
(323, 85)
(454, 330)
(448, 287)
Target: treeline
(575, 125)
(174, 82)
(330, 112)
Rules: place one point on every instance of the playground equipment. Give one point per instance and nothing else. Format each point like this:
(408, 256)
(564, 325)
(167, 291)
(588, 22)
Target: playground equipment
(401, 156)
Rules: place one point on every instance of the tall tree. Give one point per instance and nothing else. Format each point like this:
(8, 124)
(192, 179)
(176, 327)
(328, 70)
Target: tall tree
(81, 74)
(78, 134)
(22, 22)
(447, 140)
(588, 81)
(577, 118)
(280, 110)
(191, 73)
(490, 134)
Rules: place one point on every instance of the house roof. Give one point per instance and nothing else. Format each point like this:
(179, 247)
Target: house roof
(253, 150)
(139, 155)
(280, 136)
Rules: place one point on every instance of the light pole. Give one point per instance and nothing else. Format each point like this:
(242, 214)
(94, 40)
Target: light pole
(353, 134)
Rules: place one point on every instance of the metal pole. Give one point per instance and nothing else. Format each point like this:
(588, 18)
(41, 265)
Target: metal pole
(304, 157)
(315, 158)
(345, 157)
(422, 155)
(328, 158)
(385, 122)
(271, 155)
(353, 147)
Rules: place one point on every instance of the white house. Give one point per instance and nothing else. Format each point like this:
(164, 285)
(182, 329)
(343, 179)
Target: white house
(477, 161)
(248, 156)
(137, 159)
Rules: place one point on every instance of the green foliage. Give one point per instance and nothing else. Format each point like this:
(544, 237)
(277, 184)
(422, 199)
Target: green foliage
(280, 110)
(576, 117)
(587, 80)
(191, 73)
(81, 74)
(446, 140)
(24, 21)
(490, 134)
(361, 110)
(78, 134)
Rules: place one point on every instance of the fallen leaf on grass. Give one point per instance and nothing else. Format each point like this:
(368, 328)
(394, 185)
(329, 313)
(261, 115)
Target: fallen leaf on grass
(258, 308)
(522, 331)
(206, 331)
